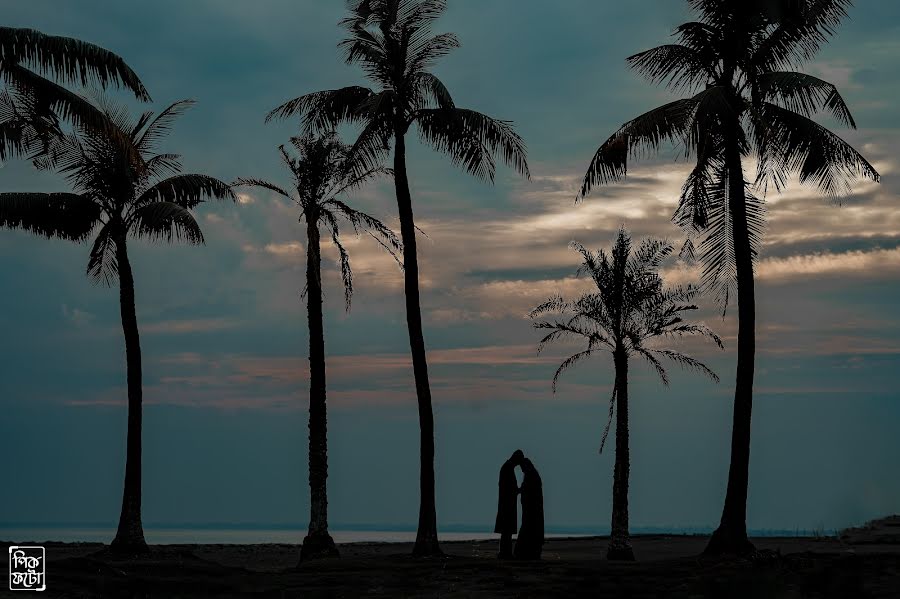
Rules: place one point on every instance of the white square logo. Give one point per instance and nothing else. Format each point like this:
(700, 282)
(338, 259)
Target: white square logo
(27, 568)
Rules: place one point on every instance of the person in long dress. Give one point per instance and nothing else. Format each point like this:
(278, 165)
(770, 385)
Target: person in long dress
(507, 512)
(531, 536)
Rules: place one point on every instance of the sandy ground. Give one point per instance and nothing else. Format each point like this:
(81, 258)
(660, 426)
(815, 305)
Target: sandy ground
(668, 566)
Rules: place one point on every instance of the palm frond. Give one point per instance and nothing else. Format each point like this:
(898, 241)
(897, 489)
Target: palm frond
(426, 52)
(698, 193)
(800, 32)
(52, 98)
(66, 216)
(371, 148)
(553, 305)
(643, 134)
(653, 361)
(68, 60)
(344, 257)
(695, 329)
(355, 179)
(322, 111)
(649, 256)
(568, 363)
(187, 191)
(799, 144)
(472, 140)
(162, 166)
(161, 126)
(432, 91)
(168, 221)
(103, 267)
(418, 14)
(675, 65)
(24, 131)
(804, 94)
(687, 362)
(250, 182)
(360, 220)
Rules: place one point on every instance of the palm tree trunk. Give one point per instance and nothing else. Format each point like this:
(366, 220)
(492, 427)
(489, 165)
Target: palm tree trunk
(130, 534)
(318, 543)
(619, 541)
(426, 536)
(731, 536)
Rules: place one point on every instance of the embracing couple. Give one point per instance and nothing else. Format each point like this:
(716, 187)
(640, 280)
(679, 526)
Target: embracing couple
(531, 534)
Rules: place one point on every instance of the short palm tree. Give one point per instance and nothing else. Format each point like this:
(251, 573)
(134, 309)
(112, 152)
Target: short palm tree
(393, 42)
(123, 188)
(744, 100)
(629, 311)
(321, 174)
(39, 66)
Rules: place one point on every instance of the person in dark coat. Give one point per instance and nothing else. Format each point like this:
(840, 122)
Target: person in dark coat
(531, 535)
(507, 514)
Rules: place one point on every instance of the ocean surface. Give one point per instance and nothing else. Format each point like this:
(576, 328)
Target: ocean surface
(246, 535)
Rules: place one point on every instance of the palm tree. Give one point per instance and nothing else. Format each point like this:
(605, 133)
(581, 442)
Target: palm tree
(630, 310)
(744, 100)
(393, 42)
(123, 188)
(322, 173)
(38, 66)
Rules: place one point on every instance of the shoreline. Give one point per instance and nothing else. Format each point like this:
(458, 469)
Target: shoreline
(861, 566)
(192, 535)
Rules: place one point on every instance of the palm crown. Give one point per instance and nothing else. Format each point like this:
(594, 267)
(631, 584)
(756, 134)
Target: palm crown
(322, 171)
(392, 41)
(36, 67)
(630, 309)
(736, 61)
(122, 185)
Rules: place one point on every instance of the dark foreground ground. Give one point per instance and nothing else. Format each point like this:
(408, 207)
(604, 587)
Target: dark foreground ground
(669, 566)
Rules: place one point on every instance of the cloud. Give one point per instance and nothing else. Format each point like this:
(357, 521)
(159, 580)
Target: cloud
(875, 263)
(78, 317)
(181, 327)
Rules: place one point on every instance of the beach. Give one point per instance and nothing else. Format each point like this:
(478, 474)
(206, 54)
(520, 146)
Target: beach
(858, 565)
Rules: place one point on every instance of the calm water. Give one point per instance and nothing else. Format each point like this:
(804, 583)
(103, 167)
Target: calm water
(166, 536)
(241, 536)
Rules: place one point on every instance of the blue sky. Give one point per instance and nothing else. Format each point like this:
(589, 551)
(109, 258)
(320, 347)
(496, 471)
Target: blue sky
(223, 327)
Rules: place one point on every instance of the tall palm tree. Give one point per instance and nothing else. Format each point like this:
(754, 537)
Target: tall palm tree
(39, 66)
(626, 315)
(744, 100)
(392, 41)
(321, 174)
(122, 188)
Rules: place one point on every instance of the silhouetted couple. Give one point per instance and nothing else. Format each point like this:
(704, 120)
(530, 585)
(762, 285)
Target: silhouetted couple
(531, 535)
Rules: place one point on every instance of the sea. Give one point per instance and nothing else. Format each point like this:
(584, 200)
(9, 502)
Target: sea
(293, 534)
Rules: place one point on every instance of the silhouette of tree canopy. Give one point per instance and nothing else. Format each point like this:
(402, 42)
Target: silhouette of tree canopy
(736, 64)
(36, 67)
(122, 188)
(322, 172)
(628, 315)
(392, 41)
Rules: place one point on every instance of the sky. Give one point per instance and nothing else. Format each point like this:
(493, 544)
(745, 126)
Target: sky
(223, 325)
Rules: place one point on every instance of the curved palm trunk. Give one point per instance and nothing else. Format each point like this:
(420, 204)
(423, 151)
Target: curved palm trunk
(619, 541)
(426, 536)
(731, 536)
(130, 534)
(318, 543)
